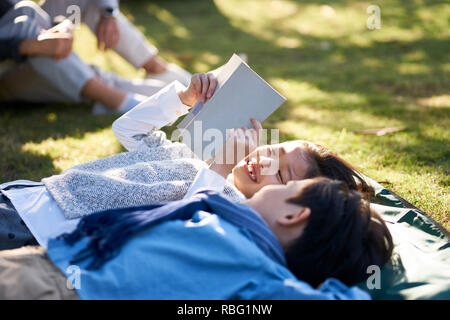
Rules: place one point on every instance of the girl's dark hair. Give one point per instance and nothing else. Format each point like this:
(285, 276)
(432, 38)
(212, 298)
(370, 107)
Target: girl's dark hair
(343, 236)
(324, 162)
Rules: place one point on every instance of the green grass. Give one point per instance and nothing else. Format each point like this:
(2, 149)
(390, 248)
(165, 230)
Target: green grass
(338, 76)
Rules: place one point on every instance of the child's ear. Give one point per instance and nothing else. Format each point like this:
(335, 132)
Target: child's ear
(298, 216)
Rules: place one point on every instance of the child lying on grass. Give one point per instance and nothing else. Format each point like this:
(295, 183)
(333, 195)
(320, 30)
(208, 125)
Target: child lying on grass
(155, 170)
(307, 239)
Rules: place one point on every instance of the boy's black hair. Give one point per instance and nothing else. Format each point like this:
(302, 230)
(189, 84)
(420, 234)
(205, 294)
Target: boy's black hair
(343, 236)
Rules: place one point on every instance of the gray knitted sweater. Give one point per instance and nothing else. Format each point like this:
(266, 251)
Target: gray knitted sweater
(158, 171)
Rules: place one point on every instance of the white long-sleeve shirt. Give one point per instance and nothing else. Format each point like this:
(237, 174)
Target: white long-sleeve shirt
(41, 213)
(159, 110)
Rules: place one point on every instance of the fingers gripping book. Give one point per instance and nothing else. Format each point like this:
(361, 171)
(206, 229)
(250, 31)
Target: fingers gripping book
(240, 94)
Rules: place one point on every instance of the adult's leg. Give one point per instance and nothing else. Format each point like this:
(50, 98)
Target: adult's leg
(107, 96)
(28, 274)
(139, 88)
(39, 79)
(132, 46)
(58, 7)
(22, 83)
(135, 48)
(42, 79)
(146, 87)
(26, 20)
(25, 9)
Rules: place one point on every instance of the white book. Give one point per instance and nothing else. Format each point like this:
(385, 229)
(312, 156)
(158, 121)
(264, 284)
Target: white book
(240, 94)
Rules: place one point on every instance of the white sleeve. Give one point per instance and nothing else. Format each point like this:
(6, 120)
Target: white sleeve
(206, 179)
(161, 109)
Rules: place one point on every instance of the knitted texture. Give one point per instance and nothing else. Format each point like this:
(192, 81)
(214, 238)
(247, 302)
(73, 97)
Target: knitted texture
(158, 171)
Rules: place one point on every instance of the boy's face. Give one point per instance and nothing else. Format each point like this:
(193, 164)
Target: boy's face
(271, 165)
(271, 201)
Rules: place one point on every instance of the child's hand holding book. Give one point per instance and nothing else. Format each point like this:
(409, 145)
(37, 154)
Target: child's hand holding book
(201, 88)
(240, 142)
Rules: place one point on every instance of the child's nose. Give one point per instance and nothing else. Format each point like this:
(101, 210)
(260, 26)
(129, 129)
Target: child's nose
(268, 165)
(265, 161)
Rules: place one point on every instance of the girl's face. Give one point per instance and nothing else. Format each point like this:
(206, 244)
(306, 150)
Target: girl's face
(271, 165)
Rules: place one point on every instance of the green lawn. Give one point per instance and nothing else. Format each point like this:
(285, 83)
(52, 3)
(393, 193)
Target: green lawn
(338, 76)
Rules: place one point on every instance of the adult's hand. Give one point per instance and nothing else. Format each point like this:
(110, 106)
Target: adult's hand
(108, 34)
(201, 88)
(50, 44)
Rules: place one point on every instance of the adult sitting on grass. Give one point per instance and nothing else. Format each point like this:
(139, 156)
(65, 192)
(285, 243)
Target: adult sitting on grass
(37, 63)
(207, 247)
(156, 170)
(114, 31)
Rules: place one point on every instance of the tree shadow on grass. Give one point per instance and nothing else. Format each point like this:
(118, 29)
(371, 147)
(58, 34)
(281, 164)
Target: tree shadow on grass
(22, 123)
(388, 76)
(372, 72)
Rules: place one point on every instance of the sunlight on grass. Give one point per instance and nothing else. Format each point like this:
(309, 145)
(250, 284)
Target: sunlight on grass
(302, 91)
(207, 60)
(70, 151)
(174, 25)
(288, 42)
(271, 19)
(442, 101)
(413, 68)
(344, 22)
(329, 111)
(265, 15)
(432, 197)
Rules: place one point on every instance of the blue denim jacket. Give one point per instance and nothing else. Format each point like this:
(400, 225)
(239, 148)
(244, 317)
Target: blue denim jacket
(205, 257)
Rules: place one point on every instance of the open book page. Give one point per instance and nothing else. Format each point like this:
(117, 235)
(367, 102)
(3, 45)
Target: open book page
(240, 95)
